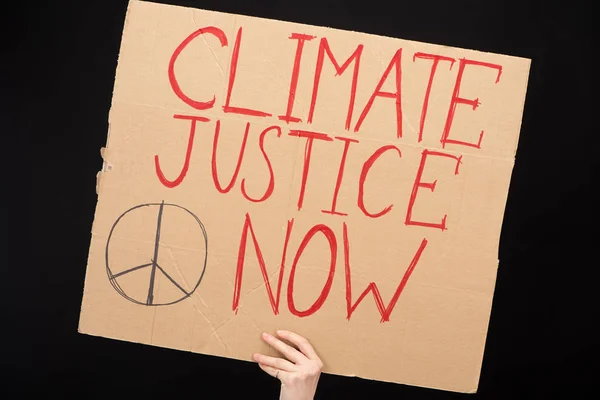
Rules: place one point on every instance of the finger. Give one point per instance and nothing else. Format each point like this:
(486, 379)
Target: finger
(301, 342)
(288, 351)
(274, 362)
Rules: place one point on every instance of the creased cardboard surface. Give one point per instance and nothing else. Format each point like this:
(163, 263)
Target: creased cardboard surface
(167, 263)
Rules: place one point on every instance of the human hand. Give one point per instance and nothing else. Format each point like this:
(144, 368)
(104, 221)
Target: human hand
(299, 373)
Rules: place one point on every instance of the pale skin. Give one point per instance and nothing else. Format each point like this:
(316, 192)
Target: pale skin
(298, 372)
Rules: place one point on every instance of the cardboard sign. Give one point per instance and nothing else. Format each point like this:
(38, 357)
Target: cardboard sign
(264, 175)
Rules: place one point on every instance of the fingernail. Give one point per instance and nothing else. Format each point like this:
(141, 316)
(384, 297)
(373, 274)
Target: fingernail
(266, 335)
(279, 332)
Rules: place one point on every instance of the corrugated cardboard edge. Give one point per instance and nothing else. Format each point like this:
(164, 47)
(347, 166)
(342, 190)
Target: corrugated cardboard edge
(522, 107)
(372, 35)
(106, 167)
(517, 137)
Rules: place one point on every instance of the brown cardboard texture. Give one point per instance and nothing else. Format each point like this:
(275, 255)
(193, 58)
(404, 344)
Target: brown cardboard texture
(262, 175)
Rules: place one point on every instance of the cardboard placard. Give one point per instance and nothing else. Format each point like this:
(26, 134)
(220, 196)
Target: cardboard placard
(263, 175)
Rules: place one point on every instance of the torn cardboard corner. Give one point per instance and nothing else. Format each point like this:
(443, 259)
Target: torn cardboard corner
(266, 175)
(106, 167)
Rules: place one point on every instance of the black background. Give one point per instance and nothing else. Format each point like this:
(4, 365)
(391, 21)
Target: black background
(58, 62)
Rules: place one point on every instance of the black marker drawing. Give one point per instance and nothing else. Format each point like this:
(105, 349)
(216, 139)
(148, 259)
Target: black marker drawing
(153, 263)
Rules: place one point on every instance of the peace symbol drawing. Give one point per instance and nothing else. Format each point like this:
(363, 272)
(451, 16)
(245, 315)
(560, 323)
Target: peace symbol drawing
(138, 282)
